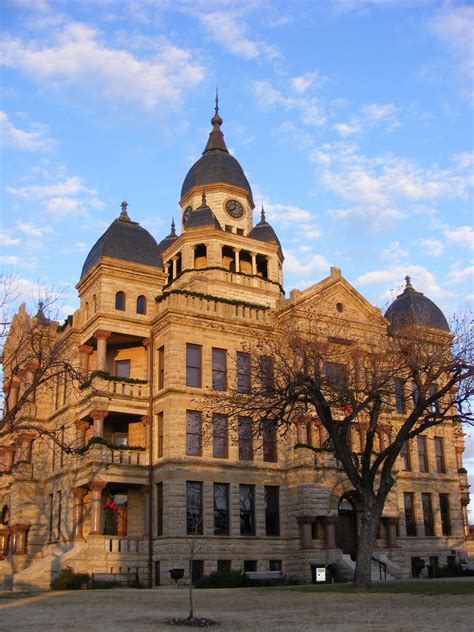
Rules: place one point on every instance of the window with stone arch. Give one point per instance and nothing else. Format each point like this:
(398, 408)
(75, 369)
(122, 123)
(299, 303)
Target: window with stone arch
(120, 301)
(141, 305)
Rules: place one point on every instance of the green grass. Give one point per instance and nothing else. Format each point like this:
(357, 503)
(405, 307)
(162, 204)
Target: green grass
(415, 587)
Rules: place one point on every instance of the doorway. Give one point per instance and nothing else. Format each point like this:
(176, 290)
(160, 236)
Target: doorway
(346, 529)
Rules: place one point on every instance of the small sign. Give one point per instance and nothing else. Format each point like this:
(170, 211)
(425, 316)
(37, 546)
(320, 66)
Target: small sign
(320, 574)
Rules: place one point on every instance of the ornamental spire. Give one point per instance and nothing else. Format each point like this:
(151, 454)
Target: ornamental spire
(216, 137)
(262, 215)
(408, 285)
(173, 228)
(123, 213)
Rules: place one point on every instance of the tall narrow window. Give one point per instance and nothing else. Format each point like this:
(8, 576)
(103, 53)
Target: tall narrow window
(141, 305)
(410, 520)
(245, 439)
(193, 365)
(159, 509)
(267, 373)
(193, 432)
(62, 447)
(194, 517)
(433, 391)
(445, 515)
(427, 514)
(160, 434)
(120, 301)
(415, 393)
(219, 436)
(221, 509)
(161, 367)
(122, 368)
(422, 454)
(60, 514)
(269, 436)
(247, 509)
(400, 396)
(439, 455)
(405, 457)
(219, 369)
(243, 372)
(51, 517)
(272, 510)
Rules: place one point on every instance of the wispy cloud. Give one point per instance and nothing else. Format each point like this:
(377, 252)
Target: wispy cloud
(31, 139)
(462, 236)
(430, 247)
(370, 116)
(309, 108)
(78, 57)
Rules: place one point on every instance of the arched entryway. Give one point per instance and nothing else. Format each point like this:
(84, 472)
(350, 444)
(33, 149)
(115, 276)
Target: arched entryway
(346, 529)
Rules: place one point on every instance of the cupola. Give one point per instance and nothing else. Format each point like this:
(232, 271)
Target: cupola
(414, 308)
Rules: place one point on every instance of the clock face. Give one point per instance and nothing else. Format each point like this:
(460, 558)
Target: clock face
(234, 208)
(186, 214)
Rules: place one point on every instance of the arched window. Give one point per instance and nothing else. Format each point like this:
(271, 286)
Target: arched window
(120, 301)
(141, 305)
(5, 516)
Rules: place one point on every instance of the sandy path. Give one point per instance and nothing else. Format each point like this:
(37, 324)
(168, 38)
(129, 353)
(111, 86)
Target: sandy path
(259, 609)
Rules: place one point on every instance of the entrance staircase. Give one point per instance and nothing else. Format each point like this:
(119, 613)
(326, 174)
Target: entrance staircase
(382, 568)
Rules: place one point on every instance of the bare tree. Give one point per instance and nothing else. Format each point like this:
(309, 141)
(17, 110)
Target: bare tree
(368, 396)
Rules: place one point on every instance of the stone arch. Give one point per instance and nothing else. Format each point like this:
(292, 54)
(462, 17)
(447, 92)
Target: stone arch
(343, 486)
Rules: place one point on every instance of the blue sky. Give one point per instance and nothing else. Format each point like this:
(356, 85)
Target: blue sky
(352, 120)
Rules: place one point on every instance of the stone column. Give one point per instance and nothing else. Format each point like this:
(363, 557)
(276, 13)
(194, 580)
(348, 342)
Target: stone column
(146, 513)
(237, 259)
(459, 451)
(101, 336)
(20, 533)
(23, 451)
(4, 541)
(14, 390)
(145, 421)
(78, 512)
(84, 353)
(330, 531)
(96, 488)
(81, 429)
(175, 266)
(98, 417)
(305, 523)
(9, 456)
(301, 431)
(254, 263)
(391, 527)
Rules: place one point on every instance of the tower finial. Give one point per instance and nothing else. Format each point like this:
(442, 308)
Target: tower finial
(173, 227)
(203, 199)
(217, 100)
(262, 215)
(408, 286)
(123, 213)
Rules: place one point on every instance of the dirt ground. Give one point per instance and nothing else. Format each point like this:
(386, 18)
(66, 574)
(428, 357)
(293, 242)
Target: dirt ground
(259, 609)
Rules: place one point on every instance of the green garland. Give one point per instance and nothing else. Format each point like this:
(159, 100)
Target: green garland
(105, 375)
(245, 274)
(210, 297)
(101, 441)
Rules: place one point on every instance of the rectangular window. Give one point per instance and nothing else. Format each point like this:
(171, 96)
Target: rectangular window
(161, 367)
(193, 365)
(219, 436)
(400, 396)
(62, 447)
(267, 373)
(243, 372)
(405, 457)
(245, 439)
(60, 511)
(274, 565)
(410, 521)
(193, 432)
(160, 434)
(224, 566)
(194, 516)
(272, 510)
(221, 509)
(250, 566)
(422, 454)
(439, 455)
(427, 514)
(219, 369)
(445, 514)
(269, 437)
(122, 368)
(415, 393)
(247, 509)
(433, 391)
(51, 517)
(336, 375)
(159, 509)
(197, 570)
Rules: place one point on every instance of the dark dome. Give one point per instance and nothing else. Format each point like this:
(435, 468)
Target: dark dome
(264, 232)
(168, 240)
(125, 240)
(216, 164)
(413, 308)
(202, 216)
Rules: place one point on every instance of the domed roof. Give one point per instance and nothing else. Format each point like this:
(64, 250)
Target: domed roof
(202, 216)
(413, 308)
(264, 232)
(125, 240)
(168, 240)
(216, 164)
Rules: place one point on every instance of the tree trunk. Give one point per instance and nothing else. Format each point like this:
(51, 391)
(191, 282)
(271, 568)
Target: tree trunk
(366, 543)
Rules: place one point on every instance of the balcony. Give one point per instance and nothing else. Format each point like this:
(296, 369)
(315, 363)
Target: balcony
(112, 465)
(121, 395)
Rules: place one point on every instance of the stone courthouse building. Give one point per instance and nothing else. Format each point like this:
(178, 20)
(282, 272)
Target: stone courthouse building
(160, 328)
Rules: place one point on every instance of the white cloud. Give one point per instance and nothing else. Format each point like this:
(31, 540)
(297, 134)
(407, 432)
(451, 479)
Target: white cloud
(303, 82)
(393, 252)
(462, 275)
(225, 29)
(369, 116)
(78, 58)
(286, 213)
(430, 247)
(306, 264)
(7, 240)
(310, 111)
(462, 236)
(33, 139)
(33, 231)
